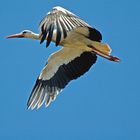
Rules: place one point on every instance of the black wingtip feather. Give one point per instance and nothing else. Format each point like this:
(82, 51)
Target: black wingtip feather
(44, 34)
(43, 37)
(58, 36)
(50, 34)
(31, 95)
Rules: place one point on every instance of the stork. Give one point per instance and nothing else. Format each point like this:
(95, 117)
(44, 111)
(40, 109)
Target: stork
(80, 43)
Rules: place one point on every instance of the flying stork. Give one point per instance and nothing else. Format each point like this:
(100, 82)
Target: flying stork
(80, 43)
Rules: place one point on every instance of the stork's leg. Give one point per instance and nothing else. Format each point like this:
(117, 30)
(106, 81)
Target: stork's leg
(103, 50)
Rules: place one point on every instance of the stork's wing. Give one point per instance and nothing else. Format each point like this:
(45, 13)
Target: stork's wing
(63, 66)
(59, 21)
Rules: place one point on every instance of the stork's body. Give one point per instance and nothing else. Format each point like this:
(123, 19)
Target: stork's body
(80, 45)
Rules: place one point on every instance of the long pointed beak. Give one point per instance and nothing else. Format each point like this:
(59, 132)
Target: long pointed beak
(20, 35)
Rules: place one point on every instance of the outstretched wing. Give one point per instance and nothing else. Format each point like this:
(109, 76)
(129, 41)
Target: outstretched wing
(62, 67)
(58, 23)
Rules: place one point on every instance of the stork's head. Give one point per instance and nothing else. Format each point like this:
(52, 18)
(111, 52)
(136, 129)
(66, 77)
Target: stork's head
(23, 34)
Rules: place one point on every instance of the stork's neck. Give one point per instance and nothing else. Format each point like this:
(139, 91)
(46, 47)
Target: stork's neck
(36, 36)
(33, 36)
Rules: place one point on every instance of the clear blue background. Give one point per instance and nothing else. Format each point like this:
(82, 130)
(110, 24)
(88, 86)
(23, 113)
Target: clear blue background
(104, 104)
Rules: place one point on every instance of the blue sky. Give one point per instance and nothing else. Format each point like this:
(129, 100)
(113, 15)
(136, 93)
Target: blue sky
(104, 104)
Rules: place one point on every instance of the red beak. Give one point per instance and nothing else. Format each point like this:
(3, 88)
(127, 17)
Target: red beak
(20, 35)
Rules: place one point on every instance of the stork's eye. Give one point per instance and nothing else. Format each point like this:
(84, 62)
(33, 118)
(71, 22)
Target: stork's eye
(24, 32)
